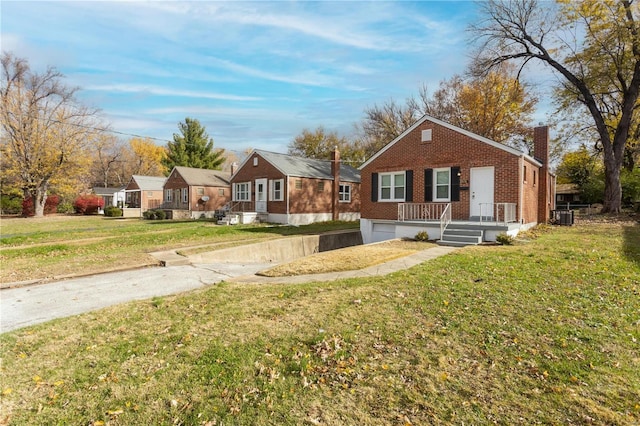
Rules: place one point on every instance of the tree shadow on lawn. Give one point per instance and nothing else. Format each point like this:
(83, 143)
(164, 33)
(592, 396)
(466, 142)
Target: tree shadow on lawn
(631, 235)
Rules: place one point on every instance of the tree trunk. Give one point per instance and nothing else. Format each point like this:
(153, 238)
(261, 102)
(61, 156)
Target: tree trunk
(612, 187)
(39, 200)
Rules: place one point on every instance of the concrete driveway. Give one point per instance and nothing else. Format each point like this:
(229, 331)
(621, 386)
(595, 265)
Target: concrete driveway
(34, 304)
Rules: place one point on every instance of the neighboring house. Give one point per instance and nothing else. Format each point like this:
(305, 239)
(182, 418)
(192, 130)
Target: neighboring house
(439, 178)
(567, 193)
(281, 188)
(143, 193)
(111, 196)
(195, 193)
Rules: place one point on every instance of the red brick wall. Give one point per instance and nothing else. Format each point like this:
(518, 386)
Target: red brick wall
(216, 201)
(151, 199)
(305, 200)
(530, 191)
(218, 197)
(447, 148)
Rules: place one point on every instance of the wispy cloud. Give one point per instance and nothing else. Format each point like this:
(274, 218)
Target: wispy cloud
(161, 91)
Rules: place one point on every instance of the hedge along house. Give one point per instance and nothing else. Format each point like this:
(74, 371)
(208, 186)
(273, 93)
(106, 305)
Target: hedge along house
(459, 187)
(195, 193)
(280, 188)
(143, 193)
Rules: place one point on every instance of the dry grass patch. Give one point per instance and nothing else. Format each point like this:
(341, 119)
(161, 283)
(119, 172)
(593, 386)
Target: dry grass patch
(347, 259)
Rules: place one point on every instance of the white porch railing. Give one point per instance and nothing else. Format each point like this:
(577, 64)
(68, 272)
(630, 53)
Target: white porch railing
(498, 212)
(421, 211)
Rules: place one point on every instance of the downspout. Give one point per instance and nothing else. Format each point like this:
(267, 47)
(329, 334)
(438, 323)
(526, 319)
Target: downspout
(288, 199)
(520, 188)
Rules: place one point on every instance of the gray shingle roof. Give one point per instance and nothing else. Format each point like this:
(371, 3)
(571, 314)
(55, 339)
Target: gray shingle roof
(203, 177)
(106, 191)
(149, 183)
(308, 167)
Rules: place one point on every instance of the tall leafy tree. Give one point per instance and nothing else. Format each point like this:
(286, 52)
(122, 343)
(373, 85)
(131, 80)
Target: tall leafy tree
(495, 105)
(592, 45)
(383, 123)
(145, 157)
(46, 133)
(192, 147)
(107, 156)
(319, 144)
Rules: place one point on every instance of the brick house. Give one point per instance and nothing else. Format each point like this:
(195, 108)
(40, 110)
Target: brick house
(143, 193)
(281, 188)
(195, 193)
(458, 186)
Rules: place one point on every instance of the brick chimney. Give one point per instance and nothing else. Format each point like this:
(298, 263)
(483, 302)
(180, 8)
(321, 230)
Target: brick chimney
(335, 187)
(541, 153)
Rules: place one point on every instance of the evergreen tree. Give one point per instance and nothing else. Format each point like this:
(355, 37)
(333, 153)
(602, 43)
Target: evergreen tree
(192, 148)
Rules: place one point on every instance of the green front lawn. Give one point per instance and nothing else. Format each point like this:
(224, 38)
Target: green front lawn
(543, 332)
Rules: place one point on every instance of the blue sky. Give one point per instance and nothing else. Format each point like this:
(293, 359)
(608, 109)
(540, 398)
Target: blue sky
(254, 73)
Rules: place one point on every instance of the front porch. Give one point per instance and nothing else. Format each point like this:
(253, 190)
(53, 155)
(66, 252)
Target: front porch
(436, 219)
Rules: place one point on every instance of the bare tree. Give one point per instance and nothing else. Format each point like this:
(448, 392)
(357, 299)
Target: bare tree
(600, 67)
(45, 131)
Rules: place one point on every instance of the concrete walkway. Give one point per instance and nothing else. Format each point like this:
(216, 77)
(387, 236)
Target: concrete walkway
(380, 269)
(22, 306)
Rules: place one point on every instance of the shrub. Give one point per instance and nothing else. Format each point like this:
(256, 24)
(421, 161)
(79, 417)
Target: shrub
(88, 204)
(50, 206)
(65, 207)
(504, 239)
(112, 211)
(27, 207)
(154, 214)
(10, 204)
(422, 236)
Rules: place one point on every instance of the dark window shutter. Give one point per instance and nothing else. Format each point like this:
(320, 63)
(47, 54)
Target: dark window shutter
(428, 185)
(408, 186)
(455, 184)
(374, 187)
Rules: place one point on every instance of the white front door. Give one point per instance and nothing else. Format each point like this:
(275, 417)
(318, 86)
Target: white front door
(481, 193)
(261, 195)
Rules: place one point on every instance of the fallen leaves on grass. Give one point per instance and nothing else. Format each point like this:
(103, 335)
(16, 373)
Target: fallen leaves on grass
(347, 259)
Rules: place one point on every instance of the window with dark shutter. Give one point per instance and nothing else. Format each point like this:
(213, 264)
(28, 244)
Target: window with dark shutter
(374, 187)
(428, 185)
(455, 183)
(408, 196)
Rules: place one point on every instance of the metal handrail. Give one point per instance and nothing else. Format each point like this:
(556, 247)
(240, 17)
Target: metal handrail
(445, 219)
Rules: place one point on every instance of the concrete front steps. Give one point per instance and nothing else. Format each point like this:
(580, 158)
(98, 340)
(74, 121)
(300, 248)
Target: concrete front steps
(460, 236)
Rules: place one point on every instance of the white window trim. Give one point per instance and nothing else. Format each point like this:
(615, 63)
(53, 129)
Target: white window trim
(435, 184)
(185, 195)
(235, 191)
(344, 196)
(168, 195)
(272, 190)
(392, 188)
